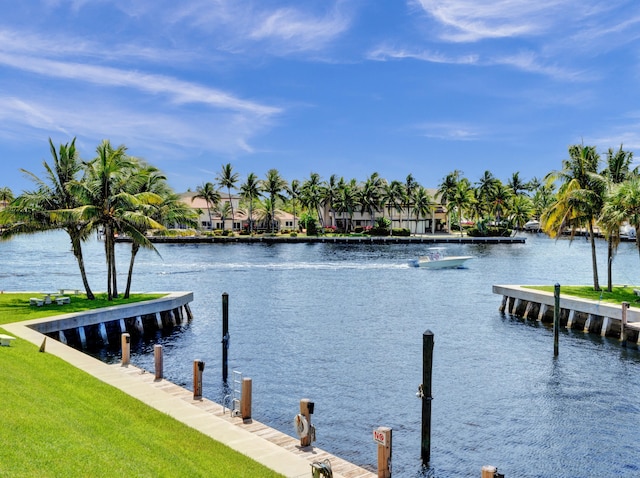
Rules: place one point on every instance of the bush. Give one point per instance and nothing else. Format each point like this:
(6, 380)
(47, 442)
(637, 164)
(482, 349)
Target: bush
(293, 234)
(400, 231)
(173, 232)
(358, 229)
(491, 231)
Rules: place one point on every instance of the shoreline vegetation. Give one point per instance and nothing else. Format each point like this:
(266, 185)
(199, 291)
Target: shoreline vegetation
(60, 421)
(115, 194)
(617, 295)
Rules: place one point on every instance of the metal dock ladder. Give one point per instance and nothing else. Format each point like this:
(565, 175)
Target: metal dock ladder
(236, 392)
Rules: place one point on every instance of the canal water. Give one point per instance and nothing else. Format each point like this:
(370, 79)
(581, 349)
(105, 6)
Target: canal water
(343, 326)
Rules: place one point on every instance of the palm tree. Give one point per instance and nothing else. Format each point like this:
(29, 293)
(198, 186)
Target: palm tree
(311, 196)
(293, 190)
(580, 198)
(265, 211)
(446, 191)
(617, 170)
(516, 185)
(462, 199)
(155, 203)
(498, 200)
(543, 198)
(250, 191)
(410, 186)
(108, 203)
(328, 192)
(211, 196)
(623, 203)
(228, 179)
(346, 200)
(422, 203)
(534, 184)
(49, 206)
(370, 196)
(224, 210)
(520, 209)
(6, 196)
(392, 197)
(273, 184)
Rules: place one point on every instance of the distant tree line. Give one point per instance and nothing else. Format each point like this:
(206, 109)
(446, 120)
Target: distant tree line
(116, 192)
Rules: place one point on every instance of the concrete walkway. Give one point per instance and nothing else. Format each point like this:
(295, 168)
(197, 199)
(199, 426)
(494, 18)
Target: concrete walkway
(270, 447)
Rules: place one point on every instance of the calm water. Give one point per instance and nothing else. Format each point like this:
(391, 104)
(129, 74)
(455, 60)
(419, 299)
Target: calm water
(343, 325)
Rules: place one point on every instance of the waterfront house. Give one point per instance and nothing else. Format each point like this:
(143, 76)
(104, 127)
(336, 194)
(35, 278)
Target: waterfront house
(434, 221)
(283, 220)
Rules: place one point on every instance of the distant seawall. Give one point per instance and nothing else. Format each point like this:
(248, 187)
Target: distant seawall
(436, 239)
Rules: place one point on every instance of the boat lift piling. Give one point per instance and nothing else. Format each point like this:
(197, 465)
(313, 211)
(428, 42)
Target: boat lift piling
(225, 336)
(424, 392)
(556, 319)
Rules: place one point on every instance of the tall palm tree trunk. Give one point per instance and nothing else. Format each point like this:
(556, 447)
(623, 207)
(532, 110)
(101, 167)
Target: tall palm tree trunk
(114, 276)
(107, 255)
(135, 247)
(609, 265)
(77, 252)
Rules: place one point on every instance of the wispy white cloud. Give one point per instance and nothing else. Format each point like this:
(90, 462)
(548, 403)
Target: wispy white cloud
(383, 53)
(56, 45)
(576, 24)
(295, 30)
(223, 133)
(472, 20)
(627, 136)
(449, 131)
(179, 91)
(253, 25)
(524, 61)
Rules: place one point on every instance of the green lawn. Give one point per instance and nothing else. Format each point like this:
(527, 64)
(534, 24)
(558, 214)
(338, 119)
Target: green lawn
(60, 421)
(617, 295)
(14, 307)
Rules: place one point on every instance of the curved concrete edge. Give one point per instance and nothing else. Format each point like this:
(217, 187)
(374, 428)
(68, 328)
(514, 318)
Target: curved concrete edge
(170, 300)
(135, 382)
(567, 302)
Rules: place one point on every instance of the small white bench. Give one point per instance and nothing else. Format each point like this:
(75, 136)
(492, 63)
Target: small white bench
(5, 340)
(36, 301)
(69, 291)
(63, 300)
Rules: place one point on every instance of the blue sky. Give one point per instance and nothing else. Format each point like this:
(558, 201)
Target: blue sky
(346, 87)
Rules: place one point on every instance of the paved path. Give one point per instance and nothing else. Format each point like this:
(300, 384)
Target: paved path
(270, 447)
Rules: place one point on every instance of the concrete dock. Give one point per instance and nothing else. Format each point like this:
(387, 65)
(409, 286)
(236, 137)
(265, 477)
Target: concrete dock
(591, 316)
(265, 445)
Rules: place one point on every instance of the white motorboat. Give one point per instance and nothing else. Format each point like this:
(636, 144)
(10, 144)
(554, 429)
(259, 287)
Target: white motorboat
(627, 232)
(437, 258)
(532, 226)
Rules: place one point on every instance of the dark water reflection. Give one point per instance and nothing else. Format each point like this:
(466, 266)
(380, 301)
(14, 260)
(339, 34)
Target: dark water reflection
(343, 325)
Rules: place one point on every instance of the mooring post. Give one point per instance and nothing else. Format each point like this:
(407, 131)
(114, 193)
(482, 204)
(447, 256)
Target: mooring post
(245, 399)
(488, 471)
(198, 368)
(225, 336)
(157, 360)
(126, 348)
(306, 409)
(623, 324)
(556, 319)
(427, 361)
(382, 436)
